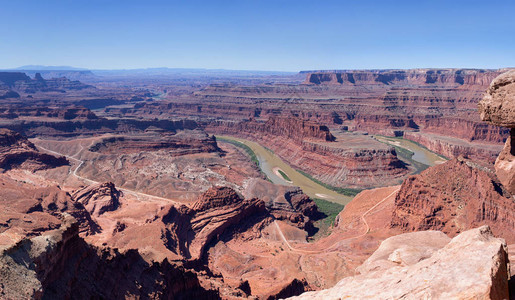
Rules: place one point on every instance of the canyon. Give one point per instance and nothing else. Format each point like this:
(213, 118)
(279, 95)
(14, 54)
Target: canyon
(131, 186)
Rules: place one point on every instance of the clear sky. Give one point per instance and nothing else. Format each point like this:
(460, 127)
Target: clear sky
(277, 35)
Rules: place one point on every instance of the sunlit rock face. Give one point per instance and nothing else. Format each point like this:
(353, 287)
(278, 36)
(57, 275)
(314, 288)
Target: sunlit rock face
(401, 268)
(498, 107)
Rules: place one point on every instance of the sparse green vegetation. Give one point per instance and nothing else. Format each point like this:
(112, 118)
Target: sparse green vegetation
(407, 156)
(344, 191)
(269, 150)
(330, 210)
(306, 183)
(284, 175)
(247, 149)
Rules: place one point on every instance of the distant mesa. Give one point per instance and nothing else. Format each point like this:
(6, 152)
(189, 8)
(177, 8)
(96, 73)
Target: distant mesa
(49, 68)
(20, 82)
(414, 76)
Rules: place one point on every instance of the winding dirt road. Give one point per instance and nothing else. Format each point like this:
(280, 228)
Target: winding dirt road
(328, 249)
(89, 181)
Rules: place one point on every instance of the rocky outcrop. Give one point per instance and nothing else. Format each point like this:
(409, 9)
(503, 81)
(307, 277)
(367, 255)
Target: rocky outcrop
(283, 202)
(505, 164)
(10, 78)
(16, 111)
(59, 265)
(98, 198)
(404, 250)
(462, 128)
(10, 94)
(498, 105)
(470, 196)
(498, 108)
(401, 268)
(17, 152)
(38, 84)
(28, 210)
(189, 231)
(20, 82)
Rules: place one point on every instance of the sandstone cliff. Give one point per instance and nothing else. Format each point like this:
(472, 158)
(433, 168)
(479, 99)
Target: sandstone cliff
(453, 197)
(293, 128)
(414, 76)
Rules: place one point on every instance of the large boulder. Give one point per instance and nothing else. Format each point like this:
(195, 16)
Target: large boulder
(498, 105)
(498, 108)
(473, 265)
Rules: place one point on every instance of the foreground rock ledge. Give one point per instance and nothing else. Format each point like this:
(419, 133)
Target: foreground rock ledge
(473, 265)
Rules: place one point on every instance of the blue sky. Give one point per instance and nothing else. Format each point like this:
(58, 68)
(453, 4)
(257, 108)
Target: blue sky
(258, 35)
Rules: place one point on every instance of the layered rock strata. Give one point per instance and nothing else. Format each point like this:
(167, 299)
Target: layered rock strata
(17, 152)
(470, 196)
(341, 163)
(98, 198)
(189, 231)
(414, 76)
(184, 142)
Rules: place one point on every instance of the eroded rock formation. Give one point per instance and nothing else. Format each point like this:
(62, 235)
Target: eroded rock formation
(181, 143)
(292, 128)
(17, 151)
(453, 197)
(59, 264)
(190, 231)
(498, 108)
(98, 198)
(28, 211)
(283, 202)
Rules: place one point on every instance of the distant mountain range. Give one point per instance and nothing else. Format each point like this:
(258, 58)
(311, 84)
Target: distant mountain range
(94, 75)
(152, 71)
(49, 68)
